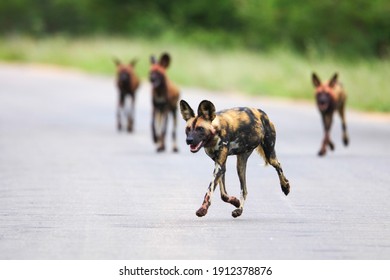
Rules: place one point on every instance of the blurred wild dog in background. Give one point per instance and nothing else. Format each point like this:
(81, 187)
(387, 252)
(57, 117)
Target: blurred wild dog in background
(165, 96)
(236, 131)
(127, 83)
(330, 96)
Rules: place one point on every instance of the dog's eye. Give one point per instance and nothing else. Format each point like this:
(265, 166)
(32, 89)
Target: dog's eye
(200, 129)
(187, 129)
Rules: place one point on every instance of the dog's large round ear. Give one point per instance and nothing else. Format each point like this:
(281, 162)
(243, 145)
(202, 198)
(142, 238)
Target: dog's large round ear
(333, 80)
(116, 61)
(165, 60)
(206, 110)
(186, 111)
(153, 59)
(133, 62)
(316, 81)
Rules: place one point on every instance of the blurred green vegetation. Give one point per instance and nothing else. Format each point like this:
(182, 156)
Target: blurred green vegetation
(277, 73)
(349, 28)
(267, 47)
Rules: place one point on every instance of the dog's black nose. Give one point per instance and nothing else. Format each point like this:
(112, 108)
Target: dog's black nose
(189, 140)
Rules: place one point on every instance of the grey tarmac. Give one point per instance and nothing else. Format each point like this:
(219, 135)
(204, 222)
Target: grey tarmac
(73, 187)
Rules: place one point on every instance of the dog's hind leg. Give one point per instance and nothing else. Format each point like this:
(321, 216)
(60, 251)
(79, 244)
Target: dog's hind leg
(241, 170)
(174, 144)
(344, 124)
(267, 150)
(283, 180)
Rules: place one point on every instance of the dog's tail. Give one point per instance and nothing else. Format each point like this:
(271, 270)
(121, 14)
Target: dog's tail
(267, 146)
(260, 150)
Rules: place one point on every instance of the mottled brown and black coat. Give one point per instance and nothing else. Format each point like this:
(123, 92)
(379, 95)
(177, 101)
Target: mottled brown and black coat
(330, 97)
(127, 83)
(236, 131)
(165, 97)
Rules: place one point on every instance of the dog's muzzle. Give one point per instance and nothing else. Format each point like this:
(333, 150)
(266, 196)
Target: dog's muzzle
(194, 145)
(189, 140)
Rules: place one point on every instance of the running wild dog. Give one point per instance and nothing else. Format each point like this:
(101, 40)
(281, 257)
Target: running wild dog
(165, 96)
(127, 83)
(330, 96)
(236, 131)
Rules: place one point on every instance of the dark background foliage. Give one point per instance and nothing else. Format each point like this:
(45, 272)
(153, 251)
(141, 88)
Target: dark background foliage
(350, 28)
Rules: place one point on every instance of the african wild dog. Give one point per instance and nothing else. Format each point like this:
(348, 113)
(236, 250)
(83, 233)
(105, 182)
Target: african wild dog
(236, 131)
(127, 83)
(165, 96)
(330, 96)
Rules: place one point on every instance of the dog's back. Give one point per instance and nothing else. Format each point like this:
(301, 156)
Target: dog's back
(245, 129)
(340, 95)
(237, 122)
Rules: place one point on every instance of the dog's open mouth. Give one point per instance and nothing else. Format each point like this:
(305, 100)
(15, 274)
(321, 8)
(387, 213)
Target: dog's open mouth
(323, 107)
(195, 148)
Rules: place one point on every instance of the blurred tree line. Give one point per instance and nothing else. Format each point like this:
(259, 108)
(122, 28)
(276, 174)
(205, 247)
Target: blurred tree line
(359, 27)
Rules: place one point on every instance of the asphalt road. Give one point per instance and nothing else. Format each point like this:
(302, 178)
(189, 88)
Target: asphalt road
(72, 187)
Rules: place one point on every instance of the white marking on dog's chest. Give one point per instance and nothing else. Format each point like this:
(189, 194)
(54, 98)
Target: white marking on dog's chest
(210, 151)
(218, 145)
(234, 145)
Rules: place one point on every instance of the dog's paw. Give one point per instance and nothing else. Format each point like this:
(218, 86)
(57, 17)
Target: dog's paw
(160, 149)
(345, 140)
(237, 212)
(201, 212)
(130, 126)
(286, 188)
(322, 152)
(233, 200)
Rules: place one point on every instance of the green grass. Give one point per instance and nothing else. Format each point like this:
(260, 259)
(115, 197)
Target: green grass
(280, 73)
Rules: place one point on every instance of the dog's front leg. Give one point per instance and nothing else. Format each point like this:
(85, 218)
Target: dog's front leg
(120, 110)
(130, 114)
(224, 195)
(219, 171)
(327, 121)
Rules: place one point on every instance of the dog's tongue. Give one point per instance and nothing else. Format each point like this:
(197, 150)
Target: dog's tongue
(195, 148)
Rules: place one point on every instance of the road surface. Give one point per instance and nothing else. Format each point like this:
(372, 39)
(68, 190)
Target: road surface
(72, 187)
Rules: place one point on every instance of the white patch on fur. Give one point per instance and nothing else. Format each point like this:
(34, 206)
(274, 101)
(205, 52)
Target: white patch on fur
(233, 145)
(122, 116)
(159, 123)
(217, 169)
